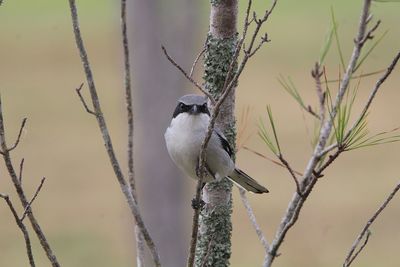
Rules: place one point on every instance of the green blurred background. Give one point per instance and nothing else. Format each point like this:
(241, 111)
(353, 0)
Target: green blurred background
(81, 207)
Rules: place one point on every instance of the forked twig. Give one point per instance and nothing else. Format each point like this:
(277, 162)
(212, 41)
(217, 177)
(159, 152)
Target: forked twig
(23, 229)
(365, 231)
(21, 194)
(292, 173)
(366, 239)
(230, 82)
(85, 105)
(370, 32)
(28, 207)
(19, 135)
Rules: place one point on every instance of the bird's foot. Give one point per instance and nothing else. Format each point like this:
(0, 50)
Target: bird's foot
(197, 204)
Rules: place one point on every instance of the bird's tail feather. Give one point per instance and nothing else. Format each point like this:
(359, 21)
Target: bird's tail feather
(243, 180)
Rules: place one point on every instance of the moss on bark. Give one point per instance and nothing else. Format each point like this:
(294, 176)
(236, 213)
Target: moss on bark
(214, 242)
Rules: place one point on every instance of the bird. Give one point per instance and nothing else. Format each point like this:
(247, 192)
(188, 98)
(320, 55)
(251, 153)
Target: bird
(184, 137)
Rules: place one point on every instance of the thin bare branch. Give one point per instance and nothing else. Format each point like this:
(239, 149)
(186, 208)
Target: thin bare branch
(366, 239)
(140, 248)
(21, 170)
(231, 82)
(350, 257)
(28, 207)
(23, 229)
(264, 39)
(328, 149)
(201, 88)
(352, 62)
(316, 73)
(125, 187)
(85, 105)
(374, 91)
(21, 194)
(330, 160)
(195, 223)
(292, 173)
(246, 25)
(232, 65)
(196, 61)
(369, 35)
(128, 99)
(252, 217)
(211, 126)
(130, 121)
(310, 110)
(250, 51)
(19, 135)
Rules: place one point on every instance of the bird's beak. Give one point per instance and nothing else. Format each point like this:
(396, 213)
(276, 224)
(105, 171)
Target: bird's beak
(194, 110)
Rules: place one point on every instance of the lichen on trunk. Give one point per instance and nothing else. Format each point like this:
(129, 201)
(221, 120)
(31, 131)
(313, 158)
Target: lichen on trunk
(214, 241)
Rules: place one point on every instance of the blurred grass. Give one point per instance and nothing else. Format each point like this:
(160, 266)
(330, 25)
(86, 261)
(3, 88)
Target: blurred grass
(81, 208)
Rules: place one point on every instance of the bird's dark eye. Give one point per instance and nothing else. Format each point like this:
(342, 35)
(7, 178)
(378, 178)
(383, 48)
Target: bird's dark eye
(180, 109)
(184, 108)
(204, 109)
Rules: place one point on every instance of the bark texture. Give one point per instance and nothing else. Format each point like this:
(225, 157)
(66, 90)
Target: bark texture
(214, 242)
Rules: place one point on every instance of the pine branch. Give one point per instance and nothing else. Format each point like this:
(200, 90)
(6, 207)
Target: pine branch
(310, 178)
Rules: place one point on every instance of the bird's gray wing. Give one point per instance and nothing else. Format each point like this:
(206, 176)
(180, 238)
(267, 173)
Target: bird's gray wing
(224, 142)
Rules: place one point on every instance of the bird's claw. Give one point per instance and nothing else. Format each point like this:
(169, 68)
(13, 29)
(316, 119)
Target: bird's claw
(197, 204)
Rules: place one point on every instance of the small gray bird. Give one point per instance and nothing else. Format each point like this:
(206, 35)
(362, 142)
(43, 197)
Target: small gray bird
(185, 135)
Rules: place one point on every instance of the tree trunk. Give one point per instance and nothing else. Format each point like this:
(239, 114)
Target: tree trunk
(214, 243)
(157, 86)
